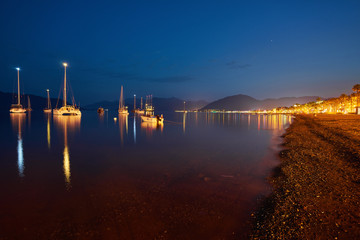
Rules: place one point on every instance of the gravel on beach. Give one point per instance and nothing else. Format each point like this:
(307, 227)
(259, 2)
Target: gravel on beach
(316, 187)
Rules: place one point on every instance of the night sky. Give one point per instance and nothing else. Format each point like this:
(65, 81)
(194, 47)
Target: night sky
(204, 50)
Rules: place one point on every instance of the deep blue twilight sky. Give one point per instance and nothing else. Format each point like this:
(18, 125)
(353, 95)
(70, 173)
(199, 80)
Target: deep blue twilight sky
(187, 49)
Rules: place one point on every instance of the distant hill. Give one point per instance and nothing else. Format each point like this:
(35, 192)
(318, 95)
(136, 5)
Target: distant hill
(160, 104)
(243, 102)
(37, 103)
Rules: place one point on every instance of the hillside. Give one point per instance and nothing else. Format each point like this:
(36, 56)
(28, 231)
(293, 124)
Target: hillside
(243, 102)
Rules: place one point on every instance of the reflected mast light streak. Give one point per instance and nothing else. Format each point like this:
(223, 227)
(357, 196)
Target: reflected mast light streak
(66, 123)
(123, 123)
(17, 121)
(184, 121)
(66, 166)
(20, 156)
(134, 129)
(126, 123)
(48, 132)
(66, 162)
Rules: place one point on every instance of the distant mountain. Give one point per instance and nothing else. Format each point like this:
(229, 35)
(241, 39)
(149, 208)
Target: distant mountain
(160, 104)
(237, 102)
(37, 103)
(243, 102)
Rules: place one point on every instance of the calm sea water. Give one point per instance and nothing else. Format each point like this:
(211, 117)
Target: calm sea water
(198, 176)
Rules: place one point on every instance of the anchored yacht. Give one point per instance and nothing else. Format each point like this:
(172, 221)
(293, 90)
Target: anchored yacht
(17, 108)
(66, 109)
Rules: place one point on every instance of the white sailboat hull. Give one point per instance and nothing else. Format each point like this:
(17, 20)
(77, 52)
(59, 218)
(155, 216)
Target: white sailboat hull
(68, 110)
(17, 110)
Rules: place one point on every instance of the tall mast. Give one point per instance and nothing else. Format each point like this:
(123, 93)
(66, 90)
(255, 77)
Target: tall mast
(18, 101)
(121, 98)
(48, 98)
(64, 104)
(134, 101)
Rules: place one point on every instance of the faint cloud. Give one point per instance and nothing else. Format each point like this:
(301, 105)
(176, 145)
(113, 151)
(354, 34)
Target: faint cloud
(235, 65)
(131, 76)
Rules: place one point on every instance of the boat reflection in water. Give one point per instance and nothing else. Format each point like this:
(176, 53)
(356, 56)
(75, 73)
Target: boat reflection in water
(66, 123)
(134, 126)
(123, 124)
(184, 121)
(48, 116)
(149, 127)
(18, 122)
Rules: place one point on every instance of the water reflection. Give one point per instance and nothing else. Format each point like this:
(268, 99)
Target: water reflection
(184, 122)
(258, 121)
(149, 127)
(123, 124)
(48, 116)
(29, 118)
(17, 121)
(220, 167)
(134, 128)
(66, 123)
(101, 117)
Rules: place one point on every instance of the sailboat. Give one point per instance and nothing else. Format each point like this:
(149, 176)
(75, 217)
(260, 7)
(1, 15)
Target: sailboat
(17, 108)
(140, 110)
(66, 109)
(149, 113)
(28, 109)
(48, 107)
(122, 108)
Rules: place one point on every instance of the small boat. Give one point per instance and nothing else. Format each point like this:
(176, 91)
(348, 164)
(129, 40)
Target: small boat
(17, 108)
(139, 111)
(149, 114)
(66, 109)
(122, 108)
(159, 119)
(48, 107)
(100, 110)
(28, 109)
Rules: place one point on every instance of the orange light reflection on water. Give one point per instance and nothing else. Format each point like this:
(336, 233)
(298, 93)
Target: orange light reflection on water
(66, 123)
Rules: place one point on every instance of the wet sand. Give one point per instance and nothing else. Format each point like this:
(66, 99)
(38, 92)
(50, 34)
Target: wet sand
(316, 187)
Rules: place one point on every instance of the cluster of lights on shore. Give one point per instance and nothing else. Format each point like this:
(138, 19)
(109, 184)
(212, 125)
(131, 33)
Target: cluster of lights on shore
(344, 104)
